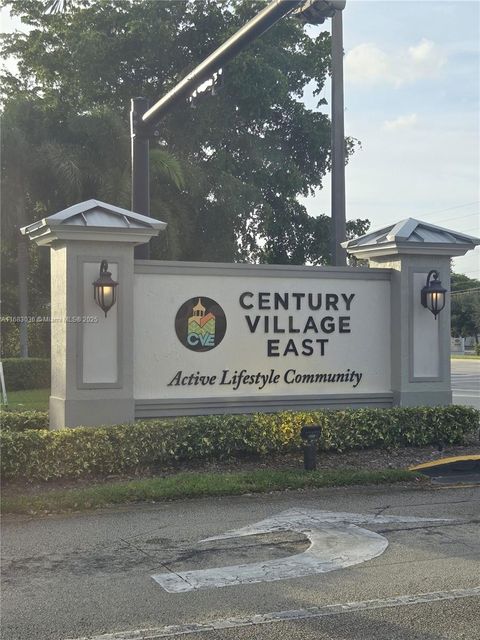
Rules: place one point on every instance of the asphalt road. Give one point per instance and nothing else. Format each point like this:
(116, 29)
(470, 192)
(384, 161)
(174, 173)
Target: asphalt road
(466, 382)
(87, 575)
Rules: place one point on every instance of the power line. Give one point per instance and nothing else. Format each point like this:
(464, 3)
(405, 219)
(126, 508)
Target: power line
(469, 215)
(458, 206)
(464, 291)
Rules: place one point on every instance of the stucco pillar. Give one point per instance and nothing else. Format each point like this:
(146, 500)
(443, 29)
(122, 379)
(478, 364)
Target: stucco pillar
(420, 344)
(92, 355)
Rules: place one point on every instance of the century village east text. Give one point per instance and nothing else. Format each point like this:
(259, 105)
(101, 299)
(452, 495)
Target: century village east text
(289, 325)
(281, 324)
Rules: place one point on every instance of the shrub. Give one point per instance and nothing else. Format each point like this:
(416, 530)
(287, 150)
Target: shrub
(26, 373)
(24, 420)
(68, 453)
(38, 338)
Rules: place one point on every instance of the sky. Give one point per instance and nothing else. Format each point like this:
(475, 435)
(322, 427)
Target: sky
(412, 89)
(412, 86)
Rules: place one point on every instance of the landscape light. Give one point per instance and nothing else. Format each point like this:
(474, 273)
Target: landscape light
(310, 435)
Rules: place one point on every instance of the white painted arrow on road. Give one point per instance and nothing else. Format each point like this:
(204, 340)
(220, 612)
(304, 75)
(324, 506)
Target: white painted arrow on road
(336, 541)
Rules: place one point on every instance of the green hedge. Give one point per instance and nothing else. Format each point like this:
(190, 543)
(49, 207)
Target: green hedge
(26, 373)
(69, 453)
(23, 420)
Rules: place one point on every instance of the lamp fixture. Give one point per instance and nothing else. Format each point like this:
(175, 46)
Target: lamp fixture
(310, 435)
(317, 11)
(433, 294)
(105, 289)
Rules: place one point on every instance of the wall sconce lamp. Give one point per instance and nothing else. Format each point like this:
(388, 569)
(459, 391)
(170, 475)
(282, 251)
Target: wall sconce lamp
(105, 289)
(433, 294)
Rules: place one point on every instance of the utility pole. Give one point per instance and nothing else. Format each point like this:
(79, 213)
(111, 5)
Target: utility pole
(316, 12)
(140, 148)
(339, 255)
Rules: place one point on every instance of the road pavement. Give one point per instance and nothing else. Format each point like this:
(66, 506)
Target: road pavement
(87, 575)
(92, 575)
(466, 382)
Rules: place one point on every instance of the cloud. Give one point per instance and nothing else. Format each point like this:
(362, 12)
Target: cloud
(426, 59)
(368, 64)
(402, 122)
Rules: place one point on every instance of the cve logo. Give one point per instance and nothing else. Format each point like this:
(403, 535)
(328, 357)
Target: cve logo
(200, 324)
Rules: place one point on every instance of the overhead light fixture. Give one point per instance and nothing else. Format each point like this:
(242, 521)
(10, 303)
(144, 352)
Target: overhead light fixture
(433, 294)
(317, 11)
(105, 289)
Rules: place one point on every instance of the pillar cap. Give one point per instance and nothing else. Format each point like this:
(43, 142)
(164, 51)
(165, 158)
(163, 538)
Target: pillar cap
(94, 220)
(411, 237)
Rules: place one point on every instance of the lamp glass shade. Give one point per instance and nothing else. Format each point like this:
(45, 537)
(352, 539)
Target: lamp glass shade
(435, 301)
(433, 294)
(108, 295)
(105, 289)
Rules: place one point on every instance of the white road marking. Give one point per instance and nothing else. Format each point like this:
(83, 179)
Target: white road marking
(336, 542)
(171, 631)
(331, 547)
(466, 395)
(454, 391)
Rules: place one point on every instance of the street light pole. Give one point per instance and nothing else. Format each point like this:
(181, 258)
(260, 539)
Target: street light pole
(254, 28)
(339, 255)
(140, 147)
(143, 117)
(316, 12)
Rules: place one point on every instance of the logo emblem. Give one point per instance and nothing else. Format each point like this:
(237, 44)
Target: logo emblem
(200, 324)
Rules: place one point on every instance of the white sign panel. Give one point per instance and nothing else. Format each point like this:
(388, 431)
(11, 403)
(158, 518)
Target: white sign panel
(224, 336)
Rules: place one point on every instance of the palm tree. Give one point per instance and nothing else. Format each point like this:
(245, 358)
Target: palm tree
(46, 168)
(58, 6)
(17, 162)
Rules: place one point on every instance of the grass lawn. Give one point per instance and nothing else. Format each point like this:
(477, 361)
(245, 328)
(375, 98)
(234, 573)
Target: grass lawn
(28, 400)
(193, 485)
(464, 356)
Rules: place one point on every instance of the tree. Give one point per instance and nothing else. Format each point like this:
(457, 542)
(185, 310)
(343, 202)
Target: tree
(465, 306)
(46, 167)
(246, 153)
(461, 282)
(19, 173)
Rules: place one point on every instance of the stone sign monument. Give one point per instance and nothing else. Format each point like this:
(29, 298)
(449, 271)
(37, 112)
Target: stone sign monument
(180, 338)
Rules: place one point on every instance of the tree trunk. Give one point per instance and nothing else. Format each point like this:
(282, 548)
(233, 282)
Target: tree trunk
(22, 270)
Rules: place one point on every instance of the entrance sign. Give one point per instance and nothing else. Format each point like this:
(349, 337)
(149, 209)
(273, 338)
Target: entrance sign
(251, 333)
(202, 338)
